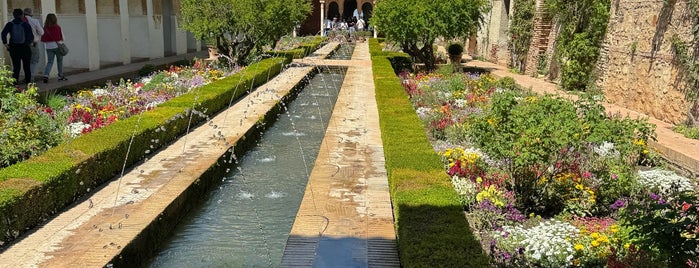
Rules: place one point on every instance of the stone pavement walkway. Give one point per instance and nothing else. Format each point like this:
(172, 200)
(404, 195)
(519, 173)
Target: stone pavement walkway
(346, 218)
(681, 151)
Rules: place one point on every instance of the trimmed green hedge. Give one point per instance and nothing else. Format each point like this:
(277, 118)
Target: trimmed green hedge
(431, 226)
(399, 61)
(303, 50)
(32, 190)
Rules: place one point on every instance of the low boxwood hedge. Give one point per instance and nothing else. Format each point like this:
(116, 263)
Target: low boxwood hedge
(32, 190)
(431, 227)
(303, 50)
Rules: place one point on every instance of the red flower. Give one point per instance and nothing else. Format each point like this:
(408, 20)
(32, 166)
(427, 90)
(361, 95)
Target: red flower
(686, 207)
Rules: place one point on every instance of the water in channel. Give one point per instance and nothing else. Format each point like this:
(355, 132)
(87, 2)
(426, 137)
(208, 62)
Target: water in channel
(343, 52)
(246, 221)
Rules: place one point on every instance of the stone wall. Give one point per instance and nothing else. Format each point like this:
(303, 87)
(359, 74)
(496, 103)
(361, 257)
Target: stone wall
(636, 67)
(492, 36)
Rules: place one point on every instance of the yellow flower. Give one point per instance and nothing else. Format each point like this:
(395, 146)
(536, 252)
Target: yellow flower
(579, 247)
(491, 121)
(579, 186)
(627, 245)
(614, 228)
(479, 180)
(595, 243)
(594, 235)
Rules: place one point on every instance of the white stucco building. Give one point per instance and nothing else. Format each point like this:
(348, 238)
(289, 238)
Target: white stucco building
(104, 33)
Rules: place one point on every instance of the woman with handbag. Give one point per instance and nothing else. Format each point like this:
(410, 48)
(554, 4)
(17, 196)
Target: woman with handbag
(52, 39)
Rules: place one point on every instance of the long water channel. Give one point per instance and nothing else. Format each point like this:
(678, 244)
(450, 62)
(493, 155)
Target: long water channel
(246, 221)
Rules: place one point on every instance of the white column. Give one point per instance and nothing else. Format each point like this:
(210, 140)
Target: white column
(322, 17)
(125, 32)
(180, 37)
(152, 31)
(47, 6)
(93, 45)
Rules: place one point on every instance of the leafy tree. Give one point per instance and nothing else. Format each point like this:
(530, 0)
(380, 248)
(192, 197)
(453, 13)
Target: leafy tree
(241, 27)
(416, 24)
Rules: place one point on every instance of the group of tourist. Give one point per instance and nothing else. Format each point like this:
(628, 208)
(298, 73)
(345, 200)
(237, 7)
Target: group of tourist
(25, 34)
(352, 25)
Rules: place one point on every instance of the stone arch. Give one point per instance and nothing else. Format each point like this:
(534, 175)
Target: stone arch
(367, 11)
(333, 11)
(349, 7)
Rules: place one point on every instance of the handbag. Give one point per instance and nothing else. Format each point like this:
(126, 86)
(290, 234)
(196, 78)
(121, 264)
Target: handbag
(62, 49)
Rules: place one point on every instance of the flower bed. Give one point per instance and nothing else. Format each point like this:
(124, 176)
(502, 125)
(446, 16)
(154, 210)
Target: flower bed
(547, 182)
(29, 128)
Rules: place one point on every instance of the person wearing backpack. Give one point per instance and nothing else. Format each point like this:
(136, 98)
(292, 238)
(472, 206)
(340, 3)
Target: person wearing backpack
(51, 38)
(21, 38)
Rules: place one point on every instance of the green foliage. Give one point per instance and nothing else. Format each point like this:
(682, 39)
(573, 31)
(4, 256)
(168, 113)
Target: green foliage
(583, 25)
(666, 226)
(455, 49)
(688, 131)
(580, 56)
(416, 24)
(432, 230)
(521, 31)
(146, 70)
(241, 27)
(27, 127)
(533, 134)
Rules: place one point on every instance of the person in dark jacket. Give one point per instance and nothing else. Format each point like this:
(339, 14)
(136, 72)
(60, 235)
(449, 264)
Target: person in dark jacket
(20, 48)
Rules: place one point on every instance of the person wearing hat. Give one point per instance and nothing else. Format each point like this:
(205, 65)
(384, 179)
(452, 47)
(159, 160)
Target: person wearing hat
(38, 31)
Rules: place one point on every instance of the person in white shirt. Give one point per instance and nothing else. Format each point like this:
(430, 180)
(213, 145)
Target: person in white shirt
(360, 24)
(38, 31)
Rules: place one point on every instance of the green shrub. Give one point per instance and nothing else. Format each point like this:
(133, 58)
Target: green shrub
(533, 133)
(455, 49)
(146, 70)
(687, 131)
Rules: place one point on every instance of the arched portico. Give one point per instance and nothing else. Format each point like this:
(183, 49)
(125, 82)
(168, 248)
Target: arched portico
(350, 6)
(105, 33)
(334, 10)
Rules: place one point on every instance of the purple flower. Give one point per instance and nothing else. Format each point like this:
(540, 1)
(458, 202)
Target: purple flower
(654, 196)
(618, 204)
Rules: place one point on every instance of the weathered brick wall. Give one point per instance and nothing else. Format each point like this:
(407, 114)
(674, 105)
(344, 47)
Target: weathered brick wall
(541, 38)
(636, 68)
